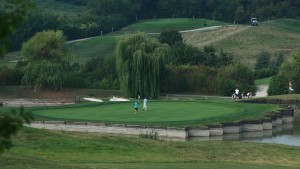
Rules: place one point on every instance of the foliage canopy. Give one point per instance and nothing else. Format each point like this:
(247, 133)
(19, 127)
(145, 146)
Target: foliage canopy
(289, 71)
(48, 59)
(140, 65)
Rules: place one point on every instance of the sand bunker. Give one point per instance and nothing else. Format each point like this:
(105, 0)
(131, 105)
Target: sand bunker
(118, 99)
(92, 99)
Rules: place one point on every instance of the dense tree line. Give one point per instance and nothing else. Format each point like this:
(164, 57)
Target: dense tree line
(289, 72)
(103, 16)
(11, 15)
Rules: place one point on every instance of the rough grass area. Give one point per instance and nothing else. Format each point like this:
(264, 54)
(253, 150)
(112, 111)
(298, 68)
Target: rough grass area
(160, 113)
(45, 149)
(245, 42)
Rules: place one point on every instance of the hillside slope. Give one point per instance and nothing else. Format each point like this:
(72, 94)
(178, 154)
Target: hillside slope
(242, 41)
(245, 42)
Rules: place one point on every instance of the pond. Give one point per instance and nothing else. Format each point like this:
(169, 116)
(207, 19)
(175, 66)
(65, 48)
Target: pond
(288, 134)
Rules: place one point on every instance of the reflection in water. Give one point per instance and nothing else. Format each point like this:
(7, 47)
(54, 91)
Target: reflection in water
(284, 134)
(288, 134)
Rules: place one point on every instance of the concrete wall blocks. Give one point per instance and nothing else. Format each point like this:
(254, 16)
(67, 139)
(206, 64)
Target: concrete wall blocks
(176, 132)
(216, 131)
(252, 127)
(268, 125)
(287, 119)
(278, 121)
(198, 132)
(231, 129)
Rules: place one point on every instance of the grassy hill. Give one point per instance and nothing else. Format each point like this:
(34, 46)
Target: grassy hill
(245, 42)
(105, 45)
(242, 41)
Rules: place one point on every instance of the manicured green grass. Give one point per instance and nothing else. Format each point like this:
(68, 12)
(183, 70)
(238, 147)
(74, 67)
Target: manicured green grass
(264, 81)
(159, 25)
(161, 113)
(290, 25)
(37, 148)
(104, 46)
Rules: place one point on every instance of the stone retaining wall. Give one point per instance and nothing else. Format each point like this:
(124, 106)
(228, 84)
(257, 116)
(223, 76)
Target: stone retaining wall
(227, 130)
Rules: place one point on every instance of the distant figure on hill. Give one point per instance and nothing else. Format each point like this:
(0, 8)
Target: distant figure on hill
(145, 104)
(139, 97)
(136, 107)
(291, 87)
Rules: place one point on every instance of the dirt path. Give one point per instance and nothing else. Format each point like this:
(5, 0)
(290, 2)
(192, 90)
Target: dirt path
(262, 91)
(35, 102)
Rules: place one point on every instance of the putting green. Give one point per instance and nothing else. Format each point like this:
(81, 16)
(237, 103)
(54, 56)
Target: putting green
(179, 113)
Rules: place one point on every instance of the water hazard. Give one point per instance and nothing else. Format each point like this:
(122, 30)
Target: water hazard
(287, 134)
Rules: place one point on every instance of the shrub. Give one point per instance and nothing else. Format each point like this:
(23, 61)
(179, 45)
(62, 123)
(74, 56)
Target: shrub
(150, 135)
(278, 85)
(263, 73)
(9, 76)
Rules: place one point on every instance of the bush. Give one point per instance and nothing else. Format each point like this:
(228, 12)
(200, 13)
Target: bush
(9, 76)
(192, 79)
(170, 37)
(75, 80)
(225, 87)
(149, 135)
(263, 73)
(278, 85)
(235, 76)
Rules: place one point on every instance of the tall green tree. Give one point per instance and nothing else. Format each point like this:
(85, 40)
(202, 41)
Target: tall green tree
(263, 60)
(140, 65)
(10, 123)
(48, 59)
(12, 14)
(235, 76)
(289, 71)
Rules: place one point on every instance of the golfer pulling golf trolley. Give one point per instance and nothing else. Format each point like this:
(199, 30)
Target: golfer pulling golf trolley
(236, 94)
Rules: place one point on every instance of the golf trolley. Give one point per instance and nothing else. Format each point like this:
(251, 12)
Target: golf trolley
(235, 96)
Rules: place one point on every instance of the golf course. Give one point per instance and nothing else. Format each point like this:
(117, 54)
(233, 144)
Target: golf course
(221, 93)
(160, 113)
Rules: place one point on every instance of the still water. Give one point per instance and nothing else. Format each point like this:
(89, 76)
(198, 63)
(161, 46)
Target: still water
(287, 134)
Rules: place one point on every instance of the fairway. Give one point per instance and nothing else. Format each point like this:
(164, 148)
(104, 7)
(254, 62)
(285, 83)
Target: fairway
(162, 113)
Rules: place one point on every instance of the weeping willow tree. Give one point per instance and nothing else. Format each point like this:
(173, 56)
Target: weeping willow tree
(140, 65)
(47, 60)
